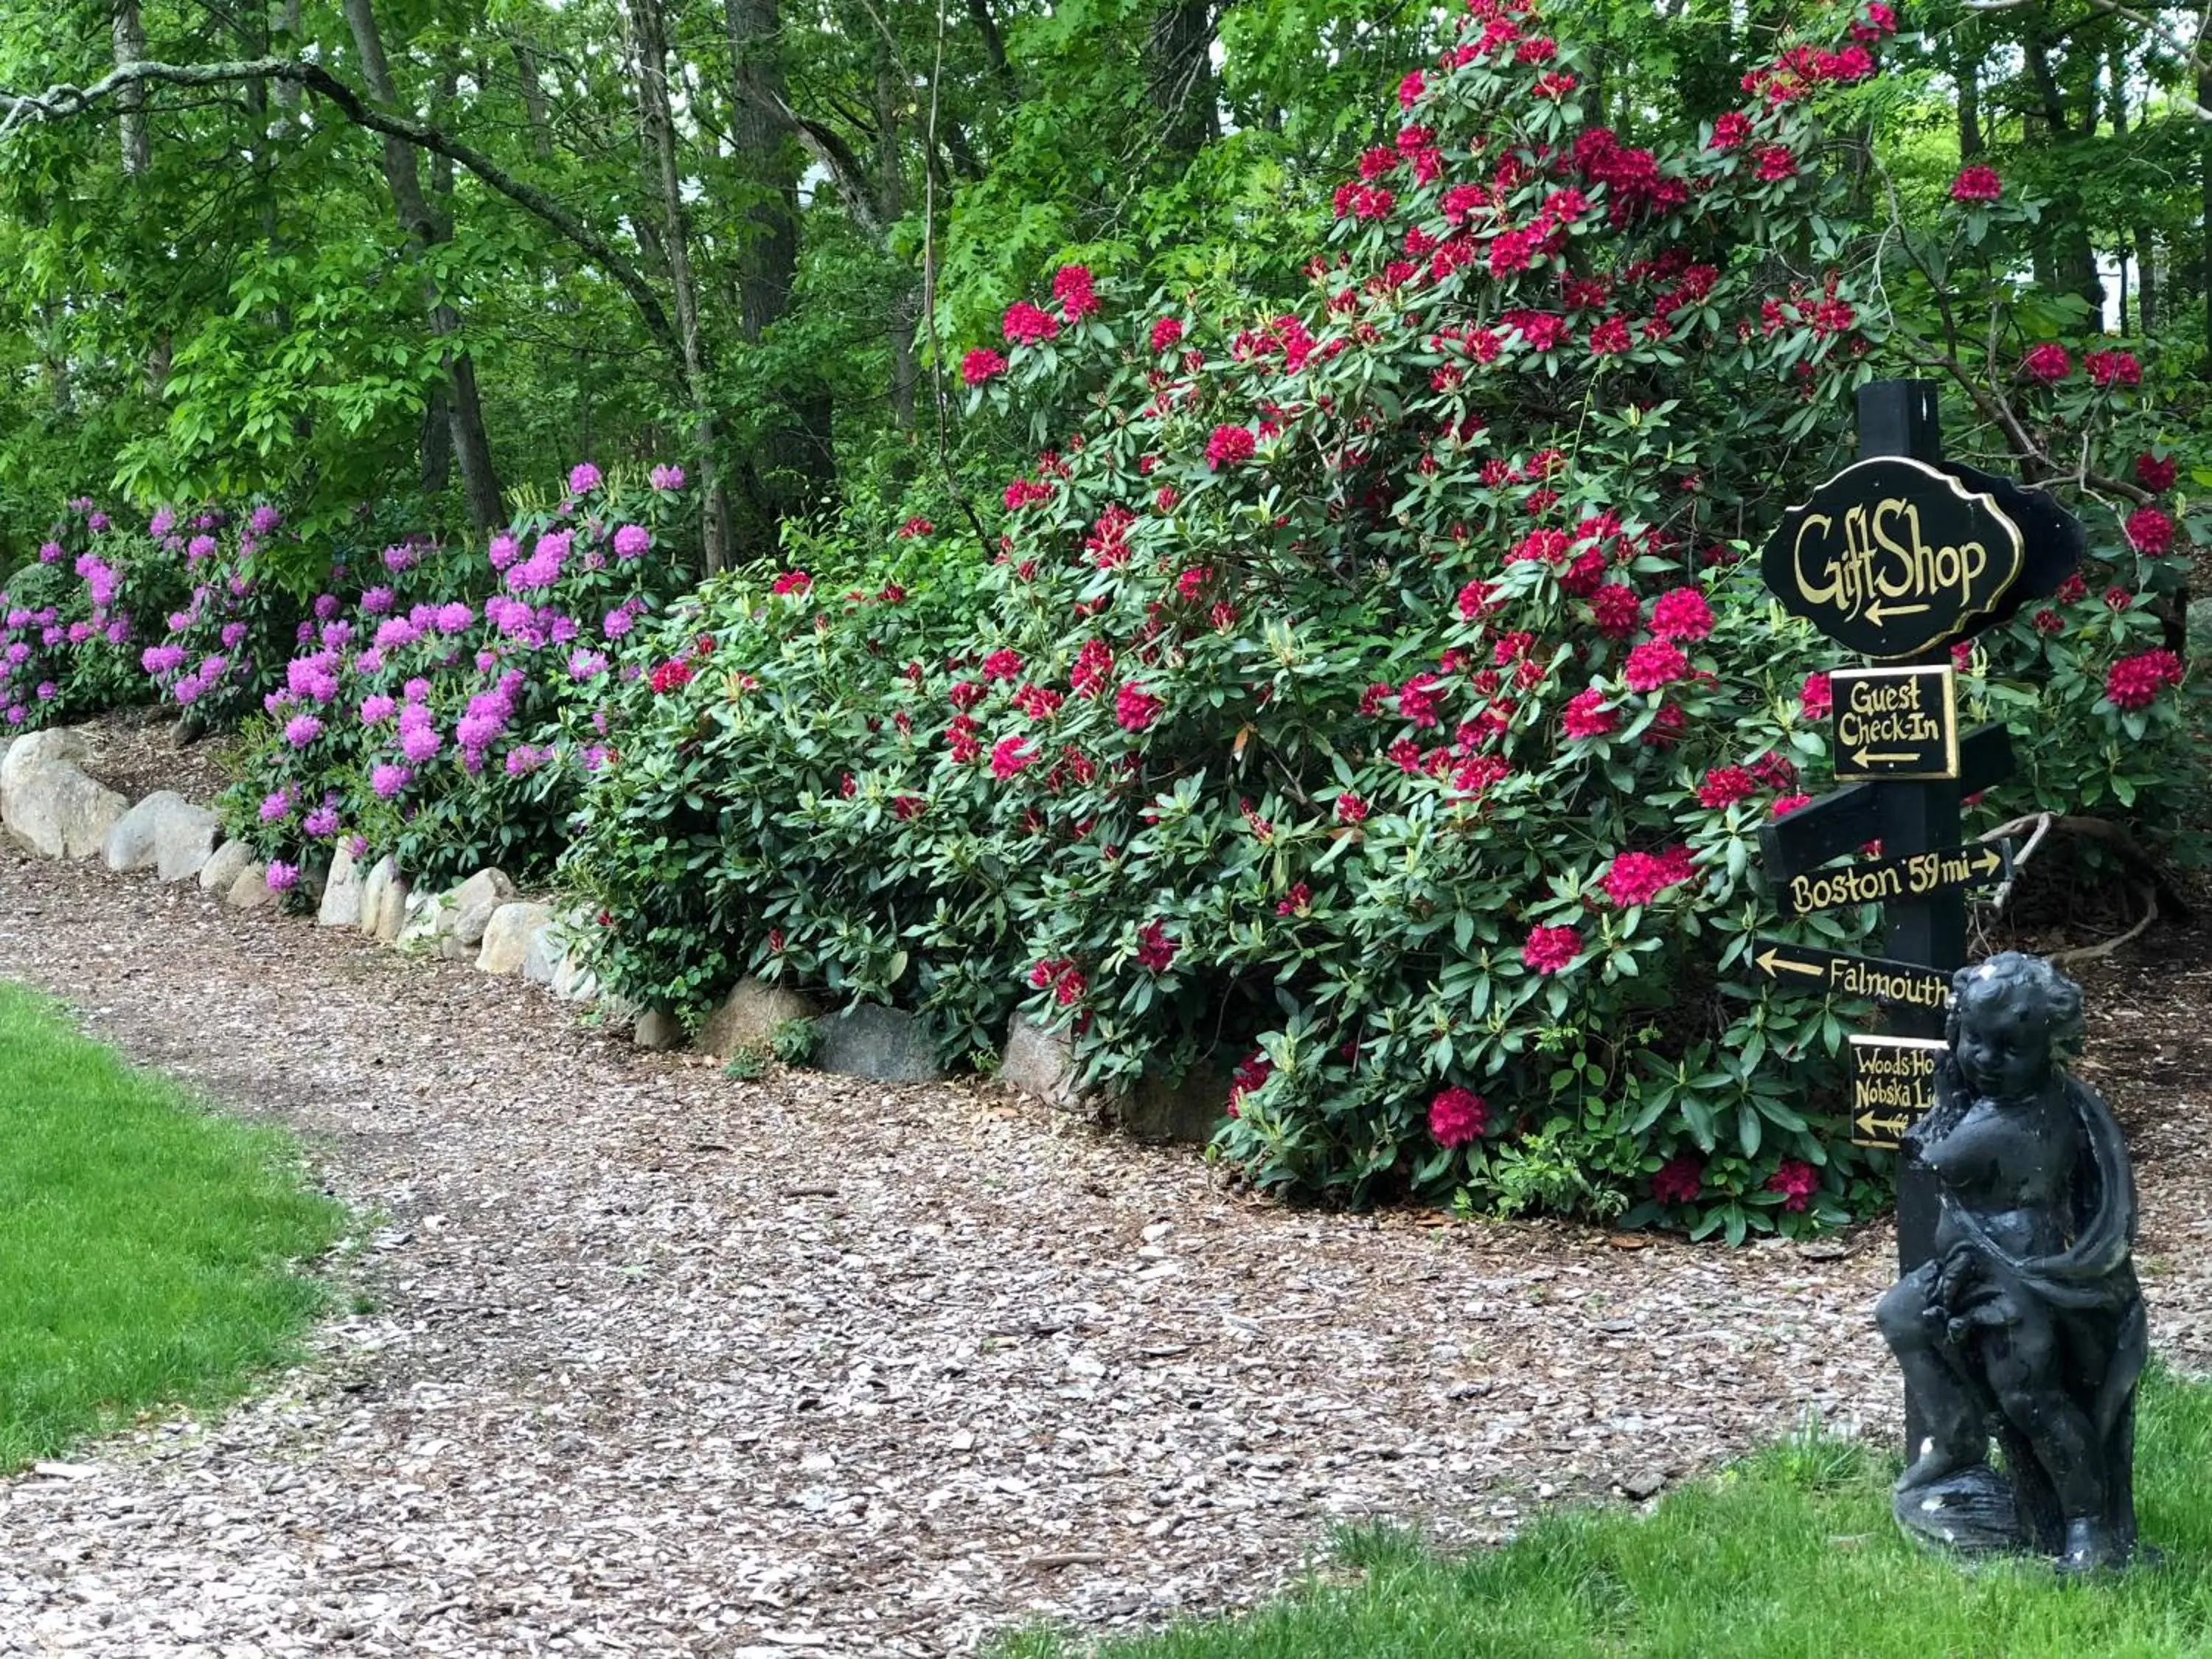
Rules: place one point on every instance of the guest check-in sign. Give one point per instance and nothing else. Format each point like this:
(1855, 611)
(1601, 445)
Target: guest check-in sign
(1893, 557)
(1894, 723)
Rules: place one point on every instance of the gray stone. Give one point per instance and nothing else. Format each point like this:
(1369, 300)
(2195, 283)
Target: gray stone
(888, 1045)
(474, 901)
(342, 893)
(450, 948)
(572, 980)
(656, 1030)
(374, 886)
(58, 812)
(1041, 1062)
(508, 936)
(251, 890)
(164, 831)
(224, 865)
(749, 1016)
(429, 917)
(543, 956)
(391, 911)
(57, 745)
(1189, 1108)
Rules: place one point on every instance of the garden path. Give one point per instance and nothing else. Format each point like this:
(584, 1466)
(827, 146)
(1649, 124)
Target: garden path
(652, 1362)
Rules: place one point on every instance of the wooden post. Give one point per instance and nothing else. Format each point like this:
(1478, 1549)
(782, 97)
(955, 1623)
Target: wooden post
(1898, 417)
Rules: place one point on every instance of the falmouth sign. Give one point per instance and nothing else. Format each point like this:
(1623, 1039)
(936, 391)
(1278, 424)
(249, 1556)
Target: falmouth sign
(1892, 557)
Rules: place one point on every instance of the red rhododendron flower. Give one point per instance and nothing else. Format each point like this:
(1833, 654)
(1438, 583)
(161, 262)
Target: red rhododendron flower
(2108, 368)
(2073, 590)
(1026, 325)
(1456, 1116)
(669, 676)
(1977, 183)
(1724, 785)
(1002, 664)
(1228, 445)
(1156, 951)
(1682, 613)
(1616, 611)
(1815, 698)
(1093, 663)
(1298, 901)
(1167, 333)
(1134, 708)
(1785, 805)
(1609, 339)
(2149, 531)
(793, 582)
(1796, 1181)
(980, 365)
(1478, 599)
(1679, 1180)
(1411, 88)
(2119, 598)
(2135, 682)
(1730, 130)
(2047, 362)
(2152, 473)
(1009, 755)
(1587, 716)
(1070, 286)
(1548, 950)
(1350, 808)
(1653, 663)
(915, 527)
(1417, 700)
(1254, 1069)
(2047, 621)
(1775, 163)
(1639, 878)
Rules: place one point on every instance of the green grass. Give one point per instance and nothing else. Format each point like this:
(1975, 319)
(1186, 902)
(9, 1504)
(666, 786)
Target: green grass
(1791, 1554)
(149, 1249)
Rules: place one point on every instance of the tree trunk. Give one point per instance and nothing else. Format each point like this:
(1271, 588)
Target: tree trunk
(890, 203)
(2204, 235)
(793, 461)
(1967, 72)
(472, 446)
(287, 26)
(1179, 75)
(534, 100)
(651, 31)
(129, 31)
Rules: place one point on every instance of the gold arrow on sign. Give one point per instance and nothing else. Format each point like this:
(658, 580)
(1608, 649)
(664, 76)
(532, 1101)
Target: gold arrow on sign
(1878, 613)
(1771, 961)
(1890, 1128)
(1990, 863)
(1868, 757)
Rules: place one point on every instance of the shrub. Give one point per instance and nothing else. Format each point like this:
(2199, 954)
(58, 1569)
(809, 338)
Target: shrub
(445, 703)
(1372, 698)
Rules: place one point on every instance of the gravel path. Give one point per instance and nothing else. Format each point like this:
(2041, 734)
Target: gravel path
(658, 1363)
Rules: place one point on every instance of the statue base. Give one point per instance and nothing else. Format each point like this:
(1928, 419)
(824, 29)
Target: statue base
(1971, 1512)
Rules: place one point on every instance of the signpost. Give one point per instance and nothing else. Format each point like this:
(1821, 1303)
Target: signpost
(1897, 558)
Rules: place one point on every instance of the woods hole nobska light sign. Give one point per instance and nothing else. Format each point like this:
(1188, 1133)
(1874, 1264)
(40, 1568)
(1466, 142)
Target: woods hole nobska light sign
(1892, 556)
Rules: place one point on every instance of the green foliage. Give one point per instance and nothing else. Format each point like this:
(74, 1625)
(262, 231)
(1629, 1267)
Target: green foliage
(1775, 1555)
(149, 1252)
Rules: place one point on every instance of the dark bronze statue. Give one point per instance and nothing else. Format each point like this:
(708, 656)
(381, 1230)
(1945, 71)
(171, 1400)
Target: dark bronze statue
(2027, 1323)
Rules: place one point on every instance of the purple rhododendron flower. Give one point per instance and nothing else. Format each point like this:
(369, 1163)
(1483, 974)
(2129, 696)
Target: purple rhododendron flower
(668, 477)
(98, 521)
(583, 665)
(326, 606)
(416, 689)
(186, 690)
(420, 743)
(211, 669)
(232, 633)
(163, 521)
(281, 877)
(322, 820)
(388, 780)
(398, 557)
(503, 551)
(631, 540)
(369, 661)
(159, 658)
(583, 478)
(48, 690)
(50, 552)
(301, 730)
(377, 709)
(276, 807)
(265, 519)
(375, 601)
(617, 622)
(454, 617)
(17, 715)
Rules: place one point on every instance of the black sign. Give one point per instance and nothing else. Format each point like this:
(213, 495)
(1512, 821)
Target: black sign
(1831, 973)
(1892, 1087)
(1894, 723)
(1893, 557)
(1825, 829)
(1885, 881)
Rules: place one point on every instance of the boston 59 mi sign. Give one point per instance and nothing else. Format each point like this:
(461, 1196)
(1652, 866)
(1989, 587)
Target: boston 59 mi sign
(1892, 557)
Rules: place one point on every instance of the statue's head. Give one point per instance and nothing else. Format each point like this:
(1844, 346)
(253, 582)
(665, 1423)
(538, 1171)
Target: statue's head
(2012, 1020)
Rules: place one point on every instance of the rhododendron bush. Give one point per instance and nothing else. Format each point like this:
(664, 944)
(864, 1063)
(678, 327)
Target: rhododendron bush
(1369, 702)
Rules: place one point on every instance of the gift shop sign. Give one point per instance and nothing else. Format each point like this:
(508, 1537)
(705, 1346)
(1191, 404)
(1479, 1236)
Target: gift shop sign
(1893, 557)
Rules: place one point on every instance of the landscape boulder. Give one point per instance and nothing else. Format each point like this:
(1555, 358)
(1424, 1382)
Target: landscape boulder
(887, 1045)
(342, 893)
(58, 812)
(27, 754)
(656, 1030)
(224, 865)
(374, 886)
(251, 891)
(749, 1016)
(508, 936)
(473, 902)
(1041, 1063)
(165, 833)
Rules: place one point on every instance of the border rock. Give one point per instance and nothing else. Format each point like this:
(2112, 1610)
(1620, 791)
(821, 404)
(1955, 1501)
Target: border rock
(508, 936)
(1041, 1063)
(252, 892)
(224, 865)
(886, 1045)
(749, 1016)
(58, 812)
(658, 1031)
(473, 902)
(342, 893)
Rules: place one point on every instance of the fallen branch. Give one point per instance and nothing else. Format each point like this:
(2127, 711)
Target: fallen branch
(2099, 830)
(2096, 953)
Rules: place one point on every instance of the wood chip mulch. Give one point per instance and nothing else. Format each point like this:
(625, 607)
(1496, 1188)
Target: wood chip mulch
(657, 1363)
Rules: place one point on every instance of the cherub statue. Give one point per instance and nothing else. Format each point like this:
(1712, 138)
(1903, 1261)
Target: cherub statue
(2028, 1322)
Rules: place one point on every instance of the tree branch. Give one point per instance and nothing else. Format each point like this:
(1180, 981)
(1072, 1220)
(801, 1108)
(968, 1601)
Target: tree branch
(64, 101)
